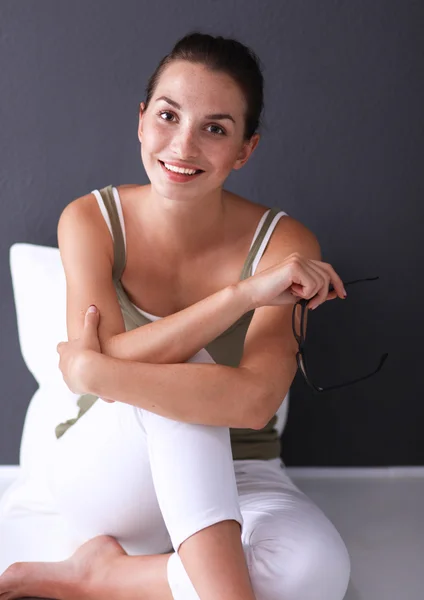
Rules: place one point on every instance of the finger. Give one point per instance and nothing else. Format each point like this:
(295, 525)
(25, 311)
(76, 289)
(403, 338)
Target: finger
(91, 319)
(335, 279)
(312, 283)
(323, 283)
(59, 346)
(322, 293)
(331, 279)
(306, 280)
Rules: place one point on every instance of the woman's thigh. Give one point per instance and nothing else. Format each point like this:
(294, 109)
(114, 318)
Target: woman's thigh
(292, 549)
(101, 480)
(148, 481)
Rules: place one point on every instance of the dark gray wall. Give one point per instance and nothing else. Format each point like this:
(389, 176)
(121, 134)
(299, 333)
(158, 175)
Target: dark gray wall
(341, 152)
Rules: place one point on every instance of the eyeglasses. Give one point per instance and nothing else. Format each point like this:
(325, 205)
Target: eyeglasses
(300, 356)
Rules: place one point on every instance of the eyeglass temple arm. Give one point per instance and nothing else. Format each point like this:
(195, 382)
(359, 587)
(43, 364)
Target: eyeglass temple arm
(346, 383)
(345, 283)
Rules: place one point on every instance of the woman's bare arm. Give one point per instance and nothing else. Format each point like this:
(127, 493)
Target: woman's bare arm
(178, 337)
(86, 249)
(207, 394)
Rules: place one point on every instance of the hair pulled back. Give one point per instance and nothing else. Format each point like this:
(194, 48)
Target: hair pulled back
(220, 55)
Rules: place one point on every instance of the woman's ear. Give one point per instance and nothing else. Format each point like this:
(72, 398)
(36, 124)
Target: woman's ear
(141, 112)
(246, 151)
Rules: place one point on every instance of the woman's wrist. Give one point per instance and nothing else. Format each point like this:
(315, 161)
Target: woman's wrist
(84, 370)
(243, 289)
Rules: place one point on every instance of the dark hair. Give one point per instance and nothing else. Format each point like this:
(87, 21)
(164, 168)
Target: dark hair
(223, 55)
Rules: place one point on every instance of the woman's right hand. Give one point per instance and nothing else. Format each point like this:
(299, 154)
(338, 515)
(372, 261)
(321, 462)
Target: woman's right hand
(294, 278)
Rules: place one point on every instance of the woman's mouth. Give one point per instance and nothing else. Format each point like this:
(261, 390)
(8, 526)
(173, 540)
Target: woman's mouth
(179, 177)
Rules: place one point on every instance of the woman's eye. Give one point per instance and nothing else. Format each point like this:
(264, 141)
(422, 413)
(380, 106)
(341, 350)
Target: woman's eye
(165, 112)
(217, 127)
(221, 131)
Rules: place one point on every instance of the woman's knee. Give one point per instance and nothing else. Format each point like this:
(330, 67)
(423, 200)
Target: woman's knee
(307, 562)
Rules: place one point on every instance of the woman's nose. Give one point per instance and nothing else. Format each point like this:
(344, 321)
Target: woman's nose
(185, 143)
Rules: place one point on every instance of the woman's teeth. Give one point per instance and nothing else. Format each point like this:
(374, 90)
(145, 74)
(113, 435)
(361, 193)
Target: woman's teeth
(179, 170)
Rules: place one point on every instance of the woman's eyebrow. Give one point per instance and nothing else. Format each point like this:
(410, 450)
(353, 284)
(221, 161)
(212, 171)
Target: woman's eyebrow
(216, 116)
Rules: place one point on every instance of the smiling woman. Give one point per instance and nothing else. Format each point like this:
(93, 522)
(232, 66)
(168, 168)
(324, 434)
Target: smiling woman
(201, 115)
(192, 346)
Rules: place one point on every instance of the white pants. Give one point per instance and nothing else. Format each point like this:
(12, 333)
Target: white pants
(151, 483)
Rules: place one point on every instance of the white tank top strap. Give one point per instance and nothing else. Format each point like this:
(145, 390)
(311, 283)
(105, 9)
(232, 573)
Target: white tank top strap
(267, 236)
(105, 214)
(259, 227)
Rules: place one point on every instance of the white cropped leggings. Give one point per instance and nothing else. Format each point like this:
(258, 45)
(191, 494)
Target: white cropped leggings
(151, 483)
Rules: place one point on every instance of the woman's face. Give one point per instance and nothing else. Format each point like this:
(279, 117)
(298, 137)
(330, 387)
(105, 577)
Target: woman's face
(189, 134)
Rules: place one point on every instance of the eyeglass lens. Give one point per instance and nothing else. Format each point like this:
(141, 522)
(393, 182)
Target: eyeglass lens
(299, 333)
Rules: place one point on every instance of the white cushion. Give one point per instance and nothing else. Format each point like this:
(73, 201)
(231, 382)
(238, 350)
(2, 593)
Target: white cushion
(40, 300)
(30, 527)
(282, 414)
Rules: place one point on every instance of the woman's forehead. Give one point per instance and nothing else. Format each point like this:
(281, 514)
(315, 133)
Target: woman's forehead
(187, 83)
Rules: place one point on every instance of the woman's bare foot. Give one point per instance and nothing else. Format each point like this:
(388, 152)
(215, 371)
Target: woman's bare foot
(81, 576)
(92, 562)
(39, 579)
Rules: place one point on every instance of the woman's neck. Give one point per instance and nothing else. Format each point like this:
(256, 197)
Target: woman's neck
(183, 229)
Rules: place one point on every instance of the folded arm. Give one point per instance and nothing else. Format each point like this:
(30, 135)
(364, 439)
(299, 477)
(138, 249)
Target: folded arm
(199, 393)
(86, 249)
(178, 337)
(246, 396)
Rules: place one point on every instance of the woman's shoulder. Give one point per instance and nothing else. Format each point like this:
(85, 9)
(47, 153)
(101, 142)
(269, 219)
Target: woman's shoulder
(250, 212)
(289, 234)
(81, 217)
(88, 205)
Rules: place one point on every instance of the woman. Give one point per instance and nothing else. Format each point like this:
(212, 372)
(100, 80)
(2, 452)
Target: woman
(174, 482)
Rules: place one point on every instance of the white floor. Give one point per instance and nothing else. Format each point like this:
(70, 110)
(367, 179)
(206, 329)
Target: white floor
(380, 515)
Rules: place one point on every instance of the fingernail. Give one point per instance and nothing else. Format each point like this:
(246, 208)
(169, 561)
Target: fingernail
(92, 309)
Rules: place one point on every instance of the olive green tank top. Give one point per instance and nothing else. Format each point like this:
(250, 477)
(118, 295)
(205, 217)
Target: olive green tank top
(226, 349)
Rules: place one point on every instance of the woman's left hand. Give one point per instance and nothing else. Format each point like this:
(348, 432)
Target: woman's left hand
(73, 354)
